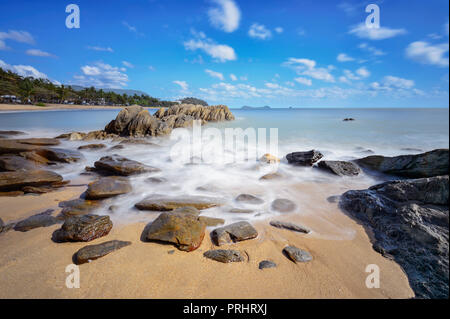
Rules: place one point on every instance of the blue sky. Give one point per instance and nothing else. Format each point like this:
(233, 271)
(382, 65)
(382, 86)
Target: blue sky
(280, 53)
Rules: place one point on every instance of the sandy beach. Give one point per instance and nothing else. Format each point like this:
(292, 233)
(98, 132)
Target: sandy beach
(20, 107)
(32, 266)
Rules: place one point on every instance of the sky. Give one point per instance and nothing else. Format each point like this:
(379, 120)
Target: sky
(281, 53)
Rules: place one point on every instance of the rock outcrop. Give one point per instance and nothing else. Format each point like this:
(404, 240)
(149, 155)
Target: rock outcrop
(410, 221)
(429, 164)
(304, 158)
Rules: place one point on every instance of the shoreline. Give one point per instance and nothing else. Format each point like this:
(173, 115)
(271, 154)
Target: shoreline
(55, 107)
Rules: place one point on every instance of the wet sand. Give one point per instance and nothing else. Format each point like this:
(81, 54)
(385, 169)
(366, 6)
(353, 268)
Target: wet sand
(32, 266)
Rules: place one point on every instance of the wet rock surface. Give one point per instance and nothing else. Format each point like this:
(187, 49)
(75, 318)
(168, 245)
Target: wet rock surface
(83, 228)
(340, 168)
(186, 231)
(429, 164)
(15, 163)
(304, 158)
(78, 207)
(233, 233)
(290, 226)
(297, 255)
(119, 165)
(60, 155)
(283, 205)
(168, 203)
(107, 187)
(44, 219)
(410, 222)
(92, 147)
(225, 256)
(11, 181)
(211, 221)
(249, 199)
(93, 252)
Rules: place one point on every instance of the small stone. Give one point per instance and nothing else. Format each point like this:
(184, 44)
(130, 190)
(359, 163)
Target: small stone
(267, 264)
(283, 205)
(93, 252)
(107, 187)
(83, 228)
(290, 226)
(233, 233)
(249, 199)
(224, 256)
(296, 254)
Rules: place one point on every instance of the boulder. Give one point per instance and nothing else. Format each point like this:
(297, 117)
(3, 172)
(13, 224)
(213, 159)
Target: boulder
(410, 223)
(120, 124)
(92, 147)
(15, 163)
(290, 226)
(429, 164)
(107, 187)
(168, 203)
(44, 219)
(249, 199)
(184, 230)
(340, 168)
(296, 254)
(93, 252)
(83, 228)
(60, 155)
(224, 256)
(118, 165)
(10, 181)
(266, 264)
(233, 233)
(283, 205)
(304, 158)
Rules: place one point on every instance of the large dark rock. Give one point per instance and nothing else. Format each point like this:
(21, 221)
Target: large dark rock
(340, 168)
(168, 203)
(304, 158)
(233, 233)
(83, 228)
(118, 165)
(297, 255)
(107, 187)
(184, 230)
(409, 219)
(224, 256)
(429, 164)
(44, 219)
(283, 205)
(93, 252)
(10, 181)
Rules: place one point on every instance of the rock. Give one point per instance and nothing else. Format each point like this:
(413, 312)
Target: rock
(233, 233)
(266, 264)
(118, 165)
(44, 219)
(224, 256)
(120, 124)
(2, 224)
(11, 194)
(156, 180)
(116, 147)
(78, 207)
(348, 119)
(271, 176)
(168, 203)
(184, 230)
(304, 158)
(83, 228)
(11, 133)
(36, 158)
(60, 155)
(74, 136)
(107, 187)
(241, 211)
(269, 159)
(249, 199)
(38, 190)
(410, 223)
(97, 135)
(13, 147)
(134, 141)
(204, 113)
(290, 226)
(11, 181)
(93, 252)
(38, 141)
(15, 163)
(92, 147)
(429, 164)
(334, 198)
(210, 221)
(283, 205)
(340, 168)
(296, 254)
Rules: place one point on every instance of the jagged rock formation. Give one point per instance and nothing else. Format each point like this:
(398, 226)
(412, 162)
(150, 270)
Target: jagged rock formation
(138, 122)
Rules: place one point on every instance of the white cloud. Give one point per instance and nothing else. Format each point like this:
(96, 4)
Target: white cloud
(304, 81)
(128, 64)
(23, 70)
(342, 57)
(214, 74)
(103, 76)
(381, 33)
(225, 15)
(279, 30)
(272, 85)
(17, 36)
(183, 85)
(3, 45)
(372, 50)
(220, 52)
(363, 72)
(233, 77)
(307, 67)
(132, 28)
(98, 48)
(427, 53)
(392, 83)
(40, 53)
(259, 31)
